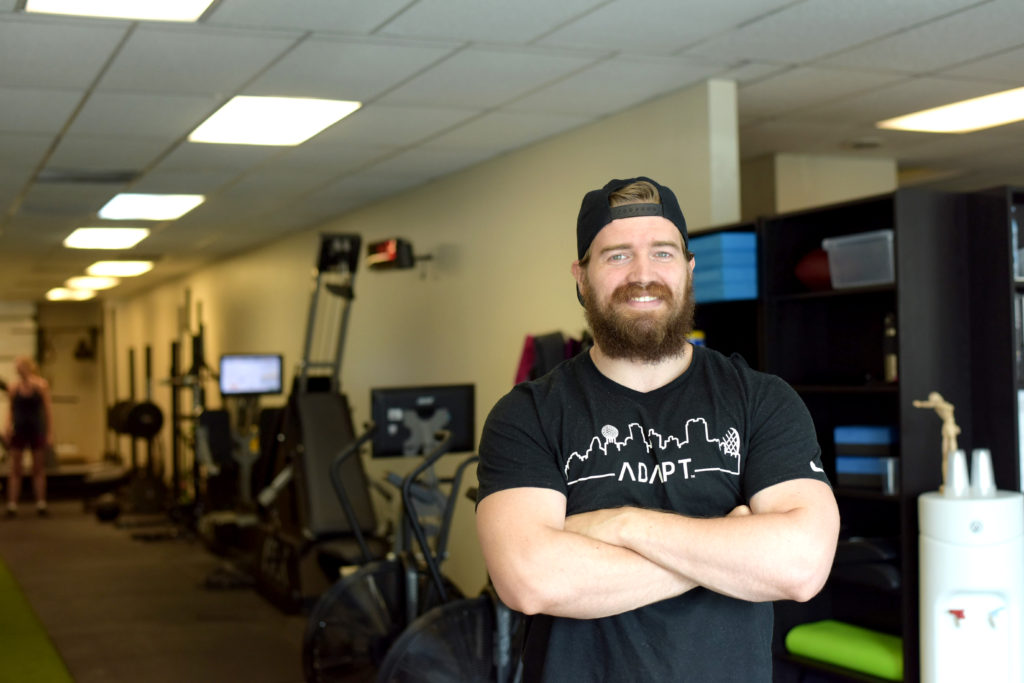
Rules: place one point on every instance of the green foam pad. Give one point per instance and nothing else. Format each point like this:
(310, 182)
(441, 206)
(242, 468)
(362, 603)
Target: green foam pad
(26, 653)
(849, 646)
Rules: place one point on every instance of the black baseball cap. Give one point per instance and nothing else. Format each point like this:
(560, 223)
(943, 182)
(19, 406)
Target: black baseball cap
(595, 211)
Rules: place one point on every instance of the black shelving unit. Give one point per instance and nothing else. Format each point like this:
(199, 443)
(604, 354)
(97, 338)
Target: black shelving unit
(997, 366)
(828, 345)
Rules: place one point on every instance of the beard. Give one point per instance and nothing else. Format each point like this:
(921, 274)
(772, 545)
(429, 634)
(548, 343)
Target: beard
(646, 336)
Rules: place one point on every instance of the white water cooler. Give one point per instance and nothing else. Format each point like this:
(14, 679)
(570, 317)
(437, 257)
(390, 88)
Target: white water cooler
(972, 577)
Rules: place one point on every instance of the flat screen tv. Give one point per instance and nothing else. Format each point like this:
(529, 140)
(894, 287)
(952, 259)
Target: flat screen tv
(251, 374)
(407, 418)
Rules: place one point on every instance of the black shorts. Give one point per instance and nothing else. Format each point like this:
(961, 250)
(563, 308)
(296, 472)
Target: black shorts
(33, 442)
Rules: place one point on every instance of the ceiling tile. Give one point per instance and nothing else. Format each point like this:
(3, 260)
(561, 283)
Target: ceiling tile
(341, 16)
(380, 124)
(635, 80)
(165, 117)
(427, 162)
(803, 86)
(201, 181)
(346, 69)
(196, 156)
(68, 198)
(901, 98)
(32, 110)
(985, 29)
(478, 77)
(1004, 66)
(655, 27)
(97, 152)
(823, 27)
(472, 20)
(55, 53)
(21, 152)
(500, 131)
(193, 60)
(330, 160)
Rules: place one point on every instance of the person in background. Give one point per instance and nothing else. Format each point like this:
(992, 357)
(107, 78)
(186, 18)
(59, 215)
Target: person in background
(29, 427)
(647, 500)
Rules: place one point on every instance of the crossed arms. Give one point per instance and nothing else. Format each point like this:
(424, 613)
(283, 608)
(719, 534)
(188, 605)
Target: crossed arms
(610, 561)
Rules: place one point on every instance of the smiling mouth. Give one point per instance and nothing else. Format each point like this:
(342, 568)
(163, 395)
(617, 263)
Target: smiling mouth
(644, 299)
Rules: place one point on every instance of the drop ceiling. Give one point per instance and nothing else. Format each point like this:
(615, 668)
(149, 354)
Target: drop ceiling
(90, 108)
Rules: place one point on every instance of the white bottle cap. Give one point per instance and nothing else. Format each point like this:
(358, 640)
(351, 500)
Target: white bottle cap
(983, 481)
(958, 483)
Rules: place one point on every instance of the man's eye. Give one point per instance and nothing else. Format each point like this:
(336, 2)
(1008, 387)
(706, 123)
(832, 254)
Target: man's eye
(663, 255)
(618, 257)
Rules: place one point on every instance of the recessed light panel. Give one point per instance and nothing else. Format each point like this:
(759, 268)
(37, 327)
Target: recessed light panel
(978, 113)
(119, 268)
(285, 121)
(90, 282)
(153, 10)
(105, 238)
(150, 207)
(65, 294)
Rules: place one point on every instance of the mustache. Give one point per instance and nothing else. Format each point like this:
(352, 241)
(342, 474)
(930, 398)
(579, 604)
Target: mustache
(624, 293)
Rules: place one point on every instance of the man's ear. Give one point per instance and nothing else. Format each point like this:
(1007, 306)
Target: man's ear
(577, 274)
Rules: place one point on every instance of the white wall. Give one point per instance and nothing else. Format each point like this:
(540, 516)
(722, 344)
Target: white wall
(503, 237)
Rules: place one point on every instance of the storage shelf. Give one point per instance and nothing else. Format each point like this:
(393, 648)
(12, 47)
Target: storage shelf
(866, 494)
(835, 672)
(833, 293)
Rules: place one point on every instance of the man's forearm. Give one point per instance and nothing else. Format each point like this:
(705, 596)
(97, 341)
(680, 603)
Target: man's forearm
(587, 578)
(768, 556)
(538, 567)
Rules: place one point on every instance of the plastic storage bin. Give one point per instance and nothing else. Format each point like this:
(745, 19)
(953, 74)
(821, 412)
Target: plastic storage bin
(861, 259)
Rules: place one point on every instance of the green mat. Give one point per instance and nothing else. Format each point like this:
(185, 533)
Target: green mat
(849, 646)
(26, 653)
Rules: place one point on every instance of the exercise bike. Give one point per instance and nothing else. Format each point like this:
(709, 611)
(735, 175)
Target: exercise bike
(353, 624)
(467, 640)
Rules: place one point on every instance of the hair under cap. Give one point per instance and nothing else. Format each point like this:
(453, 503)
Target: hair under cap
(596, 212)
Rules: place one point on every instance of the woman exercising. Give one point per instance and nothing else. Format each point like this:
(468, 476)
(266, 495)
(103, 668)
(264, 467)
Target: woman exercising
(29, 426)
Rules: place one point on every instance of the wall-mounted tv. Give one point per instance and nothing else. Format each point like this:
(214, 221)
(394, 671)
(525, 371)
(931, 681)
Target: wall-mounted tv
(407, 418)
(251, 374)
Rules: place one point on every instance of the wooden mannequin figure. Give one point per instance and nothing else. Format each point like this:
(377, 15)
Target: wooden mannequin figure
(950, 430)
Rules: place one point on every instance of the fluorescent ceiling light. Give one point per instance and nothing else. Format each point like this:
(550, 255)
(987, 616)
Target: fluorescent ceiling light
(119, 268)
(285, 121)
(150, 207)
(967, 116)
(155, 10)
(105, 238)
(65, 294)
(90, 282)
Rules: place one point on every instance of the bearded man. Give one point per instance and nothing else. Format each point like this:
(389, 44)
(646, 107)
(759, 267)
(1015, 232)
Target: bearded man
(647, 500)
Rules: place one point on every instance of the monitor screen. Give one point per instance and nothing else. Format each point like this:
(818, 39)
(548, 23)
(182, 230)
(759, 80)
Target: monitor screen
(408, 417)
(251, 374)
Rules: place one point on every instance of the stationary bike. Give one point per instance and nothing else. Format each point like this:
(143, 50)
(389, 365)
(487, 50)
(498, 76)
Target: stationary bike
(353, 624)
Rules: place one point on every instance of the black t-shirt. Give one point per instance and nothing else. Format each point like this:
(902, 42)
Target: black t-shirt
(699, 446)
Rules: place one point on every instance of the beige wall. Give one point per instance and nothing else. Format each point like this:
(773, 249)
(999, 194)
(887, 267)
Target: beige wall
(79, 415)
(780, 183)
(503, 238)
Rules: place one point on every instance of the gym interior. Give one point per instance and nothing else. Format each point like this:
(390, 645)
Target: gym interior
(209, 531)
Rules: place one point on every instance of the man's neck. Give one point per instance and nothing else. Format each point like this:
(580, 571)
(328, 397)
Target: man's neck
(642, 376)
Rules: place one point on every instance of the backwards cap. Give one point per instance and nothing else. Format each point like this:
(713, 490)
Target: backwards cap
(595, 212)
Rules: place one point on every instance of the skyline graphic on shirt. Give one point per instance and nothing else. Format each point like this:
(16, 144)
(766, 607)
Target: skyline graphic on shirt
(658, 458)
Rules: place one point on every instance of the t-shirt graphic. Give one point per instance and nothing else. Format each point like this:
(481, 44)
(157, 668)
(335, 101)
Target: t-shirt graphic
(636, 455)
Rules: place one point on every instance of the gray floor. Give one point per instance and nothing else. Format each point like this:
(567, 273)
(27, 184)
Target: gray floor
(125, 610)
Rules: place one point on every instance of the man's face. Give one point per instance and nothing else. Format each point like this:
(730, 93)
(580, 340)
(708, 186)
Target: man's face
(636, 289)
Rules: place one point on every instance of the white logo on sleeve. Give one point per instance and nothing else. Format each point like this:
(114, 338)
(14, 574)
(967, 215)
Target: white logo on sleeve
(816, 468)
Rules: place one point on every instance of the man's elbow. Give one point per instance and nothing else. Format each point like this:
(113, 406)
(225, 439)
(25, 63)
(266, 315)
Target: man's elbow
(522, 595)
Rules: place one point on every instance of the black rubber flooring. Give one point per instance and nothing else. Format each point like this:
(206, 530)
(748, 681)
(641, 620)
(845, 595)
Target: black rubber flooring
(125, 610)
